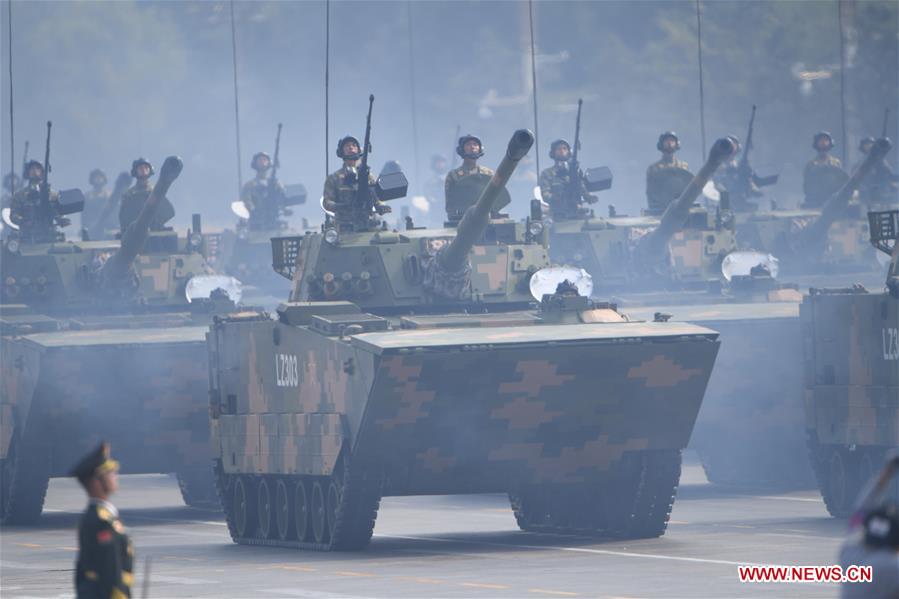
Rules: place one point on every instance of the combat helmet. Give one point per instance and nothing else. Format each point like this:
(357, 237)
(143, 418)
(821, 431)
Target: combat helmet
(141, 161)
(257, 156)
(821, 135)
(96, 173)
(555, 144)
(31, 164)
(667, 135)
(344, 140)
(865, 141)
(460, 147)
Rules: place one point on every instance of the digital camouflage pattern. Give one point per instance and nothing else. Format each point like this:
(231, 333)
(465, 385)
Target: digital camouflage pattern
(396, 370)
(83, 361)
(851, 347)
(829, 239)
(750, 428)
(684, 245)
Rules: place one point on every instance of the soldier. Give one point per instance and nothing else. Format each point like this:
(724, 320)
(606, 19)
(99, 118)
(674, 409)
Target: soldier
(729, 179)
(37, 223)
(262, 196)
(134, 199)
(105, 563)
(95, 199)
(339, 194)
(658, 194)
(555, 180)
(879, 188)
(824, 174)
(464, 185)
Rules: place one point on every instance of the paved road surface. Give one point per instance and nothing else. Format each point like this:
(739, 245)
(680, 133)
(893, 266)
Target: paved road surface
(440, 547)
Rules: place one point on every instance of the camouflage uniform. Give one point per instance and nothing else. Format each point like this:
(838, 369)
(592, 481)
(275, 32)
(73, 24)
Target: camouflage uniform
(654, 170)
(263, 205)
(880, 189)
(133, 201)
(553, 183)
(94, 201)
(458, 199)
(340, 196)
(35, 224)
(814, 169)
(728, 178)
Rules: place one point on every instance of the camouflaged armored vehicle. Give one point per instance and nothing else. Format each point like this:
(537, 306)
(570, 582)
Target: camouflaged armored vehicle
(826, 240)
(100, 342)
(415, 362)
(681, 246)
(749, 430)
(851, 342)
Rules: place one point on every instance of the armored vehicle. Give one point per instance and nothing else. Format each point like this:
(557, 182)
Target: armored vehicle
(100, 342)
(826, 240)
(414, 362)
(750, 427)
(683, 247)
(851, 342)
(264, 204)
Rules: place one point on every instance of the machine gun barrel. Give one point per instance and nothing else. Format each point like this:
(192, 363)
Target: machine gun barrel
(652, 245)
(475, 219)
(45, 182)
(136, 234)
(836, 204)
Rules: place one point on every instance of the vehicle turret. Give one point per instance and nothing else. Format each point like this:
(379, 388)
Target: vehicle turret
(480, 261)
(815, 233)
(448, 268)
(135, 236)
(652, 247)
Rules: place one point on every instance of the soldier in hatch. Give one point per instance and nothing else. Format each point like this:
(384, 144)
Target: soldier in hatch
(262, 196)
(37, 223)
(659, 190)
(95, 199)
(133, 199)
(555, 182)
(879, 189)
(823, 175)
(105, 563)
(339, 194)
(464, 185)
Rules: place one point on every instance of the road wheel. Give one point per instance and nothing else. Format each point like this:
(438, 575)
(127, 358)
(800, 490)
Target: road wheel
(301, 511)
(241, 507)
(319, 516)
(264, 508)
(333, 504)
(282, 509)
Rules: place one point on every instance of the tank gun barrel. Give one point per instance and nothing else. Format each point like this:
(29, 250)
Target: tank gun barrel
(475, 219)
(837, 202)
(652, 245)
(135, 235)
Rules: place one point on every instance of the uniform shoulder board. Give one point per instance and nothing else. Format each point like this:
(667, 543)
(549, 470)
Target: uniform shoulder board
(104, 514)
(486, 170)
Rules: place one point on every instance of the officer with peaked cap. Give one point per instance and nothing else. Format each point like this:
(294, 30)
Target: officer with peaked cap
(105, 563)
